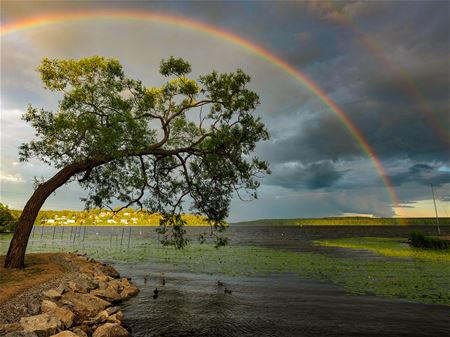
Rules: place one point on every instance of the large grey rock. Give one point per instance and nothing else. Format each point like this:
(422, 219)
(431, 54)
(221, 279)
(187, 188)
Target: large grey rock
(110, 330)
(65, 333)
(65, 315)
(116, 318)
(79, 332)
(52, 293)
(48, 306)
(101, 317)
(84, 306)
(83, 284)
(128, 292)
(43, 325)
(109, 294)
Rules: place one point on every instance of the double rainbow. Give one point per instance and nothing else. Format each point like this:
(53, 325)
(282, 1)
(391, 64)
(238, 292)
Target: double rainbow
(55, 18)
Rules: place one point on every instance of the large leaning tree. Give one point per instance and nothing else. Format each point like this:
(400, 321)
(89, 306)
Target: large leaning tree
(188, 142)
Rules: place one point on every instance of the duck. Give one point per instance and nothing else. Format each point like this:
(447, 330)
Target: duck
(227, 291)
(156, 291)
(219, 283)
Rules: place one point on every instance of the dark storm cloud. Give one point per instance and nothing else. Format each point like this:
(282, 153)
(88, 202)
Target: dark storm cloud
(422, 174)
(295, 175)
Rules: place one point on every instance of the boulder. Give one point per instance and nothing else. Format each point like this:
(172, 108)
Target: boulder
(128, 292)
(116, 318)
(48, 306)
(79, 332)
(110, 330)
(76, 287)
(112, 310)
(102, 278)
(84, 306)
(65, 315)
(125, 282)
(43, 325)
(52, 293)
(101, 317)
(65, 333)
(109, 294)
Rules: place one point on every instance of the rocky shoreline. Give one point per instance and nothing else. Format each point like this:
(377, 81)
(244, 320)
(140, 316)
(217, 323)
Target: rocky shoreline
(85, 302)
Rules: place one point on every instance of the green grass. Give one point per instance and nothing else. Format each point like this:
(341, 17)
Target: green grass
(393, 247)
(406, 273)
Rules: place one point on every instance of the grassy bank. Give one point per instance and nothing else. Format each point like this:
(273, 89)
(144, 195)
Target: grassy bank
(347, 221)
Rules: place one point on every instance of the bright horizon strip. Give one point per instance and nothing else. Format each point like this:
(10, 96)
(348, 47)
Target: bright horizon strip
(404, 79)
(45, 20)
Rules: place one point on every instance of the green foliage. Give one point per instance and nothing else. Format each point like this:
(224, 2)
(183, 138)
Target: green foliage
(7, 219)
(151, 147)
(418, 240)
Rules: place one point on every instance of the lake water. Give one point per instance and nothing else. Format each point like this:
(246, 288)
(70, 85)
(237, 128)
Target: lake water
(264, 301)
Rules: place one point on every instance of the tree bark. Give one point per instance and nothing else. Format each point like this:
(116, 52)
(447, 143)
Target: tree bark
(18, 246)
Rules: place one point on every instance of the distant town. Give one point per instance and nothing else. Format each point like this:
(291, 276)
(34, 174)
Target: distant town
(99, 217)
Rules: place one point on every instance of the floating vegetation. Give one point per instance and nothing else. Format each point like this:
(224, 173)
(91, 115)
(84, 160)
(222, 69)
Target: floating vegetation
(404, 273)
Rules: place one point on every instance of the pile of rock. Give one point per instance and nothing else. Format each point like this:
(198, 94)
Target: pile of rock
(84, 306)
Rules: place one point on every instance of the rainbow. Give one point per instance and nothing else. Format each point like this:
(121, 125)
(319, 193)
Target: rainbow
(404, 79)
(55, 18)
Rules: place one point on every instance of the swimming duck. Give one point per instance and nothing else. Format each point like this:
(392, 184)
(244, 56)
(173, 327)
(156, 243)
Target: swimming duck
(219, 284)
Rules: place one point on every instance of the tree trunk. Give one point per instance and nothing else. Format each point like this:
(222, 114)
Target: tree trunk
(16, 252)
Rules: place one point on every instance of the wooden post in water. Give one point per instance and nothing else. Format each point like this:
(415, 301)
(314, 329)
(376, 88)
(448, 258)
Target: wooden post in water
(435, 209)
(74, 235)
(54, 231)
(129, 237)
(84, 233)
(121, 239)
(62, 233)
(71, 232)
(42, 232)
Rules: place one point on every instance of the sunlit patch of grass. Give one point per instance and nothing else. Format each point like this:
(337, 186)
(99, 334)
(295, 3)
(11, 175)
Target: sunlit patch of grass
(394, 247)
(419, 276)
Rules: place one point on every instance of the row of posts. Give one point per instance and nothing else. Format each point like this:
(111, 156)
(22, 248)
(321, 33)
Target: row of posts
(79, 233)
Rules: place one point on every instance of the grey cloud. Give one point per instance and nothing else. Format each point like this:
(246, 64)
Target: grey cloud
(294, 175)
(422, 174)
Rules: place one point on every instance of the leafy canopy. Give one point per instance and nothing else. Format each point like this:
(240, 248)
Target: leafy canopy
(151, 147)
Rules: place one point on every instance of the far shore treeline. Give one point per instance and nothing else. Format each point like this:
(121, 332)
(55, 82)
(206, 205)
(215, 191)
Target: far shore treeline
(352, 221)
(132, 217)
(101, 217)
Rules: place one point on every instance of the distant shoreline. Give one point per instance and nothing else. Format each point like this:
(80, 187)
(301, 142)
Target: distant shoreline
(345, 221)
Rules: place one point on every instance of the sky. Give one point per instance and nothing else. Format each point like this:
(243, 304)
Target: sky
(384, 64)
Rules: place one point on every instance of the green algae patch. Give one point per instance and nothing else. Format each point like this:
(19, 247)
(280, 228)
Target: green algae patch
(423, 279)
(393, 247)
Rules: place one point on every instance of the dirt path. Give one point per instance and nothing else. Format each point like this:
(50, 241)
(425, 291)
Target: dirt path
(40, 268)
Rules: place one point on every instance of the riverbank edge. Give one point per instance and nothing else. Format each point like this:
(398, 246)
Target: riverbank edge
(84, 301)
